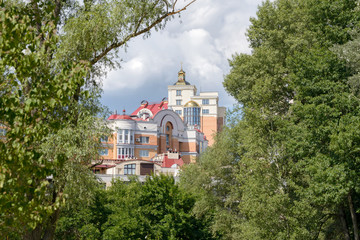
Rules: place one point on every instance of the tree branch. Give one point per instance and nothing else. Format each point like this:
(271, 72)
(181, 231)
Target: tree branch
(137, 33)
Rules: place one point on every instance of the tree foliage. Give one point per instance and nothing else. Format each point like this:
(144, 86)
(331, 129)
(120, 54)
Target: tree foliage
(51, 56)
(296, 144)
(156, 209)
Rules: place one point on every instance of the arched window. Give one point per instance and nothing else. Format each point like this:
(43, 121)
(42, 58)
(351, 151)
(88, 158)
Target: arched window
(168, 132)
(192, 113)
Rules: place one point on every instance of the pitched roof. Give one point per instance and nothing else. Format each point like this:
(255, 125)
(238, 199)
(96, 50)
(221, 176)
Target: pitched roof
(154, 108)
(167, 162)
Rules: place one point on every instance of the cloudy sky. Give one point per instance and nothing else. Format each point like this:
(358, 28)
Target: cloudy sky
(203, 40)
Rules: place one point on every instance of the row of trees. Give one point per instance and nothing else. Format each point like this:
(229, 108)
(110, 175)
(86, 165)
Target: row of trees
(156, 209)
(288, 165)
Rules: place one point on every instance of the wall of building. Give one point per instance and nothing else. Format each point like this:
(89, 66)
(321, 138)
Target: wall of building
(209, 126)
(188, 147)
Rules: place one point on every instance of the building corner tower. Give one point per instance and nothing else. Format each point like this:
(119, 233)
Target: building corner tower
(199, 111)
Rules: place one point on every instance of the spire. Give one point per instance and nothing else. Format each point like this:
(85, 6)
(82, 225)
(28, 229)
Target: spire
(181, 77)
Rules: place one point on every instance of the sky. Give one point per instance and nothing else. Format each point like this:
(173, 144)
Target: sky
(206, 36)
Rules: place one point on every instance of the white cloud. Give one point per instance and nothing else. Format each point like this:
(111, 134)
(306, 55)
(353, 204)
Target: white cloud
(210, 32)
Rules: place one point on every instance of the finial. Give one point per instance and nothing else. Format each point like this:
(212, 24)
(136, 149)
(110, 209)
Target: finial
(124, 112)
(181, 65)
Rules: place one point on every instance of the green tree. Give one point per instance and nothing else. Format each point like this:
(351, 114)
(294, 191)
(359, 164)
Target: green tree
(213, 181)
(51, 56)
(157, 209)
(296, 143)
(295, 93)
(83, 219)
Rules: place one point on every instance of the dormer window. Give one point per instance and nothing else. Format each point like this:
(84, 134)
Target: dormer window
(145, 113)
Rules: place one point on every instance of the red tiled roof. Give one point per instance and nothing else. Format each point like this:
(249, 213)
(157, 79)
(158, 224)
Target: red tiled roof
(154, 107)
(167, 163)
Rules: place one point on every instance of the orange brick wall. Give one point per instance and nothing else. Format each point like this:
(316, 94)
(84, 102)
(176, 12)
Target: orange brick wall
(209, 127)
(187, 147)
(152, 139)
(162, 144)
(186, 159)
(152, 153)
(175, 144)
(111, 150)
(113, 140)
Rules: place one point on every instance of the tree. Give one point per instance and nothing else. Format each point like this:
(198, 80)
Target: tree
(51, 56)
(213, 181)
(293, 92)
(297, 139)
(83, 219)
(158, 209)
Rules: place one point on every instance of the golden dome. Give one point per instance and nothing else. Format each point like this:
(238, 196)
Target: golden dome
(191, 104)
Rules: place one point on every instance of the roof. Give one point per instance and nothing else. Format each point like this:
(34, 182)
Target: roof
(181, 78)
(118, 116)
(154, 108)
(104, 166)
(191, 104)
(167, 163)
(182, 83)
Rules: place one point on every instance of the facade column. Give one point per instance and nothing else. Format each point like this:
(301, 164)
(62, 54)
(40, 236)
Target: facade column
(129, 134)
(123, 136)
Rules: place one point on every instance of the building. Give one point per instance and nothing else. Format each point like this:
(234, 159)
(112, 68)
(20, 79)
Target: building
(161, 137)
(200, 110)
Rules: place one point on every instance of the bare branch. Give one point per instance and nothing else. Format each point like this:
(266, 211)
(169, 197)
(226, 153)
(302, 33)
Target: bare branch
(137, 33)
(174, 5)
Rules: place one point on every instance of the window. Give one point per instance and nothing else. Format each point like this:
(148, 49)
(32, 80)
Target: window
(103, 152)
(178, 102)
(178, 112)
(144, 153)
(126, 136)
(167, 140)
(205, 101)
(125, 152)
(144, 139)
(104, 139)
(129, 169)
(178, 92)
(205, 111)
(192, 116)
